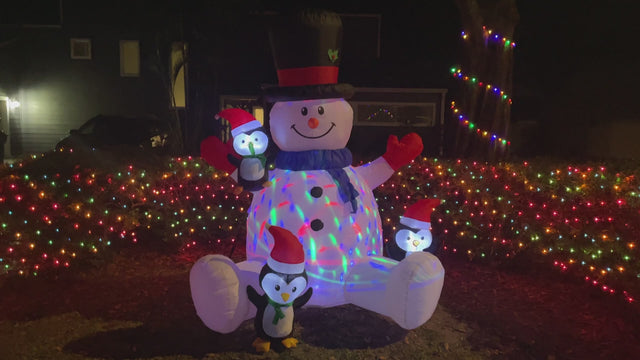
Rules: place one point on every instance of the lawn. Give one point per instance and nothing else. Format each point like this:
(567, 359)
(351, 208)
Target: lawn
(541, 261)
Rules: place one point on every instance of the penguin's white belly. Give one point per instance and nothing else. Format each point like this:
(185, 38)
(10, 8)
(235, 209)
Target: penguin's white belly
(283, 327)
(251, 169)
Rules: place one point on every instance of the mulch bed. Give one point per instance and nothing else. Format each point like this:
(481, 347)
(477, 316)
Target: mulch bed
(547, 314)
(518, 314)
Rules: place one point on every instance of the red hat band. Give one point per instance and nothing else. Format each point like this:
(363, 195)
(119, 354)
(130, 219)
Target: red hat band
(312, 75)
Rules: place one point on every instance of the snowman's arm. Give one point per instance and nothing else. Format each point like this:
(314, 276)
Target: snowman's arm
(375, 172)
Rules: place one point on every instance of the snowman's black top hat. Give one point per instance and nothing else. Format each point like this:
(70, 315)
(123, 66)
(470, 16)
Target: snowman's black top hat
(307, 49)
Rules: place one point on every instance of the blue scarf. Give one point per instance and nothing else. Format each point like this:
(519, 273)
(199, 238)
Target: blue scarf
(333, 161)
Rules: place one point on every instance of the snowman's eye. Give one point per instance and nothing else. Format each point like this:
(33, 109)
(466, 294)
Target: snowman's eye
(304, 111)
(256, 139)
(320, 110)
(243, 141)
(277, 287)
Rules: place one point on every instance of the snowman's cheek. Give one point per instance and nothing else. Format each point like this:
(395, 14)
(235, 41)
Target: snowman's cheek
(280, 133)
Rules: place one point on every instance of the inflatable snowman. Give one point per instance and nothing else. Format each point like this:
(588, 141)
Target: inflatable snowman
(318, 196)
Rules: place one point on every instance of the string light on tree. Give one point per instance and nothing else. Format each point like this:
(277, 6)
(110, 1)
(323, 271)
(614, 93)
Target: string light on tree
(458, 74)
(490, 35)
(484, 133)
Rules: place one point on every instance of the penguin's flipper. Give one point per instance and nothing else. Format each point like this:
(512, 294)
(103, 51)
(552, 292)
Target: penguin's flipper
(261, 346)
(300, 301)
(290, 342)
(254, 297)
(233, 160)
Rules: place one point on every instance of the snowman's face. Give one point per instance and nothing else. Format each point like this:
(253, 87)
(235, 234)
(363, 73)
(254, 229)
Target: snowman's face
(411, 241)
(322, 124)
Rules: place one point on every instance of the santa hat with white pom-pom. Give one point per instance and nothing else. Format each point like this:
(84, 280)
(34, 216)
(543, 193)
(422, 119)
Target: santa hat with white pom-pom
(287, 255)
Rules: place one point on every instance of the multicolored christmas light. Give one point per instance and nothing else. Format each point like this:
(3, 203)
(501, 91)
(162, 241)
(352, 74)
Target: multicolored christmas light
(458, 74)
(582, 220)
(579, 219)
(490, 35)
(484, 133)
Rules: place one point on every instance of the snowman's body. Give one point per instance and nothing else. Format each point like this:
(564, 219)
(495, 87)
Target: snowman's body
(340, 230)
(334, 237)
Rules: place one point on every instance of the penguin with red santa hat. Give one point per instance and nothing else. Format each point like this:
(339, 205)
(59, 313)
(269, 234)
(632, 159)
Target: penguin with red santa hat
(250, 141)
(283, 280)
(414, 231)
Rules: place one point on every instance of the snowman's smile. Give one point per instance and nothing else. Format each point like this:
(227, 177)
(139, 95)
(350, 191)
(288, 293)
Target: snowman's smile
(313, 137)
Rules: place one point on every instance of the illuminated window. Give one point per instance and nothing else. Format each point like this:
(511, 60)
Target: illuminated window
(129, 58)
(258, 113)
(81, 49)
(178, 64)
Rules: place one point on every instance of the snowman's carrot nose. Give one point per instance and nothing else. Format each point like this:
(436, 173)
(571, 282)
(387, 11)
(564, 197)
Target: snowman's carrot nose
(313, 123)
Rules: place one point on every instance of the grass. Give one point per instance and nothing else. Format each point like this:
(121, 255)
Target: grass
(139, 307)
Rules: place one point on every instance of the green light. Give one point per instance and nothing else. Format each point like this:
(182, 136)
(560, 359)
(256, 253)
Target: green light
(300, 212)
(333, 239)
(312, 250)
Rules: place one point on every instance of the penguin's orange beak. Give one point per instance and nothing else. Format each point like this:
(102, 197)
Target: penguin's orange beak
(285, 296)
(416, 242)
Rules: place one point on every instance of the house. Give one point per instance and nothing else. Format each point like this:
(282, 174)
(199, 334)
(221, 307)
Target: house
(66, 61)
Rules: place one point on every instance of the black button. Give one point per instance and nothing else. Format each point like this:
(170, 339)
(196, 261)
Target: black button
(317, 225)
(316, 191)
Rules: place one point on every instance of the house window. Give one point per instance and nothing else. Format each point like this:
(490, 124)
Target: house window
(178, 64)
(81, 49)
(129, 58)
(394, 114)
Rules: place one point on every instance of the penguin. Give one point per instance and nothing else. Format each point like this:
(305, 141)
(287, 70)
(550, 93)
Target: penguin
(284, 280)
(250, 141)
(414, 231)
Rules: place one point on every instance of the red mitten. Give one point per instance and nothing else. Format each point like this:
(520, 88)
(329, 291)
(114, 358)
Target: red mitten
(400, 153)
(215, 152)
